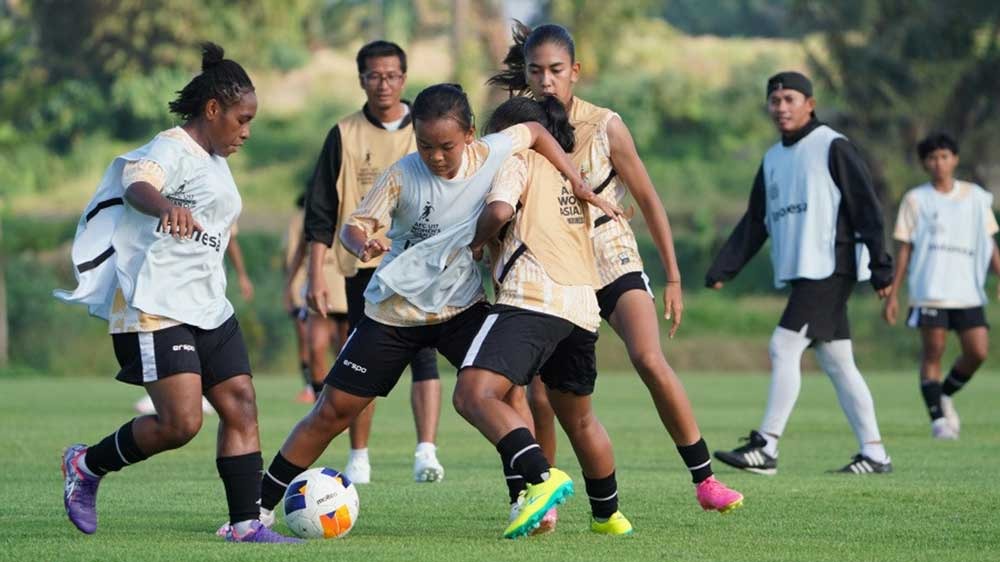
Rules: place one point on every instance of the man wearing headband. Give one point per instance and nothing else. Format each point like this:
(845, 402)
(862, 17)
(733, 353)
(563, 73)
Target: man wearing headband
(813, 197)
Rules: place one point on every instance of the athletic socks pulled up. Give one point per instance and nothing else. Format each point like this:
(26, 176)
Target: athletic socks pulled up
(276, 480)
(954, 382)
(241, 478)
(931, 391)
(515, 482)
(603, 495)
(114, 452)
(696, 459)
(519, 451)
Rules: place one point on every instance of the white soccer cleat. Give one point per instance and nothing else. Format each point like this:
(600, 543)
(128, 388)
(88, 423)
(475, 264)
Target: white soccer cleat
(426, 467)
(942, 429)
(950, 413)
(145, 406)
(358, 470)
(266, 519)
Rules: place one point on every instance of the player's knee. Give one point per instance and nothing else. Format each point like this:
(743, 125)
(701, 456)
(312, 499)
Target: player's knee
(976, 355)
(539, 402)
(178, 431)
(463, 400)
(649, 362)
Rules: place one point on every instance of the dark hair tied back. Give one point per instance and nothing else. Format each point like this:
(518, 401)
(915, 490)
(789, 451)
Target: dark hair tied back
(443, 101)
(526, 40)
(221, 79)
(549, 112)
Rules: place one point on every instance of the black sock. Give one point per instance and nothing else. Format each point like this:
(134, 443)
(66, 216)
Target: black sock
(603, 494)
(696, 459)
(114, 452)
(241, 478)
(954, 382)
(515, 482)
(519, 451)
(931, 390)
(276, 480)
(306, 372)
(317, 387)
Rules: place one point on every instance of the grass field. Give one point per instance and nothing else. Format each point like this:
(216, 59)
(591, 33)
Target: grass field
(939, 505)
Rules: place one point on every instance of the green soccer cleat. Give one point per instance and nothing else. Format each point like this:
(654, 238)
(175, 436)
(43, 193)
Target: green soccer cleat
(536, 500)
(616, 525)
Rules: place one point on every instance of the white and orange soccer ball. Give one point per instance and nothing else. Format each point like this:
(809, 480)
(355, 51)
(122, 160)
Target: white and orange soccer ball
(321, 503)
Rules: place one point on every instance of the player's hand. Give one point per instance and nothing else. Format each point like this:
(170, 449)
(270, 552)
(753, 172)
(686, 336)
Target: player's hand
(178, 222)
(372, 249)
(890, 311)
(317, 293)
(884, 292)
(717, 285)
(673, 306)
(584, 192)
(246, 288)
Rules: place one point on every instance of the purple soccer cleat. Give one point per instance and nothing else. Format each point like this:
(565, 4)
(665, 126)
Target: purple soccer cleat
(80, 490)
(261, 534)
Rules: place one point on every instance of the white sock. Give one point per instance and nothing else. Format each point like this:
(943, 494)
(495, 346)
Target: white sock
(771, 449)
(837, 360)
(82, 463)
(359, 454)
(786, 349)
(426, 446)
(241, 528)
(875, 451)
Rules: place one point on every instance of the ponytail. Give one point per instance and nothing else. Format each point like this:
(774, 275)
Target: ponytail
(549, 112)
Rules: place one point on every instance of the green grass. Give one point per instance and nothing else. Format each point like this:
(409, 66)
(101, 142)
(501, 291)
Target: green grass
(939, 504)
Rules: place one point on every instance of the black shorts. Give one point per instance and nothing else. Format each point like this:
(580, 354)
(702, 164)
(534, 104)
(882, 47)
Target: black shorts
(375, 354)
(424, 365)
(821, 305)
(519, 343)
(957, 319)
(216, 355)
(608, 295)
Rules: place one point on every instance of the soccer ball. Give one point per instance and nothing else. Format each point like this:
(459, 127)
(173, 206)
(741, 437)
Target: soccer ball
(321, 503)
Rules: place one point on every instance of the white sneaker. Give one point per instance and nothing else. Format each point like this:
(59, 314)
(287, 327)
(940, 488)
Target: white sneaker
(266, 519)
(950, 413)
(358, 470)
(426, 467)
(941, 429)
(145, 406)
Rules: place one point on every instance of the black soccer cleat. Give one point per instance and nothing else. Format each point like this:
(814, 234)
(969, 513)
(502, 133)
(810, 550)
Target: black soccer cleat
(861, 464)
(750, 457)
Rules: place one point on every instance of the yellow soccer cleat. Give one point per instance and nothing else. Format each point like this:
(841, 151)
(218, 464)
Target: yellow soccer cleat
(536, 500)
(616, 525)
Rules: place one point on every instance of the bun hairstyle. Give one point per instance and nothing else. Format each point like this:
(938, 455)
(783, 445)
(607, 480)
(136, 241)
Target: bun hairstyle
(526, 40)
(443, 101)
(548, 112)
(221, 79)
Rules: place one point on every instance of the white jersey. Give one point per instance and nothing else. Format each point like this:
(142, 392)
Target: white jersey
(951, 234)
(182, 280)
(802, 206)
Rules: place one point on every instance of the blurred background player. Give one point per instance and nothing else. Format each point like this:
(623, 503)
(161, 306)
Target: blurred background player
(356, 151)
(145, 404)
(295, 295)
(159, 223)
(543, 62)
(945, 231)
(813, 196)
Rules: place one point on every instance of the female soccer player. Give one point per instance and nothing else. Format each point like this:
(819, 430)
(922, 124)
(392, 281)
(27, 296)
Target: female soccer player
(149, 257)
(945, 231)
(544, 321)
(294, 297)
(426, 292)
(542, 62)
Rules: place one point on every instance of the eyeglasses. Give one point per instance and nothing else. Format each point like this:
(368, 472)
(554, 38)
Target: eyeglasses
(374, 78)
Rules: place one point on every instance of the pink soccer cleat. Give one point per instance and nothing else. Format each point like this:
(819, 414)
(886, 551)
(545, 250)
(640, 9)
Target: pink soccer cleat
(715, 496)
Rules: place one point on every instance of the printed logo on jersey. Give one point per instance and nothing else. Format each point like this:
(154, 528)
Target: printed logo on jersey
(772, 187)
(793, 209)
(213, 241)
(569, 206)
(367, 173)
(424, 228)
(182, 199)
(624, 258)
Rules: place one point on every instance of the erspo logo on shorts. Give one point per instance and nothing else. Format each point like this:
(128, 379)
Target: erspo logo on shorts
(183, 347)
(355, 366)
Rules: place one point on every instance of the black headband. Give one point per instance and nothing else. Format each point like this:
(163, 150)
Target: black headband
(790, 81)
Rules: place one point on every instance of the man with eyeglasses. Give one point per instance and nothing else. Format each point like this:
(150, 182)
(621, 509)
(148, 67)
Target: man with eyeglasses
(357, 149)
